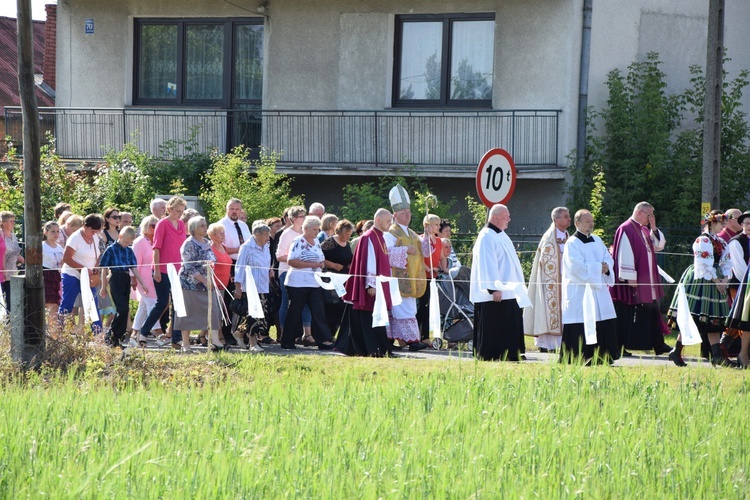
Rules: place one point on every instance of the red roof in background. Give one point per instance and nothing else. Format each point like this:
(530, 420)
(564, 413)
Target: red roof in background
(9, 95)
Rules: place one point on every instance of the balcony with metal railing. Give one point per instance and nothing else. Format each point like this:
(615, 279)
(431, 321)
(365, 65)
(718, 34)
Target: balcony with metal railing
(448, 143)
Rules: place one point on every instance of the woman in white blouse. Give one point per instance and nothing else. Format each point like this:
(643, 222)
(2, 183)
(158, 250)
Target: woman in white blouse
(304, 259)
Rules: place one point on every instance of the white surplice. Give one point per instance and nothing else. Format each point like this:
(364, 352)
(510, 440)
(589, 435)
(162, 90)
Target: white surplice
(494, 259)
(582, 264)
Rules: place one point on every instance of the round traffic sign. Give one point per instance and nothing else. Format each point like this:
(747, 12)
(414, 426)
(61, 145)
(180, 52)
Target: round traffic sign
(496, 177)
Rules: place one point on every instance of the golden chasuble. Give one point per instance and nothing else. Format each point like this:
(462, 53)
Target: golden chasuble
(415, 270)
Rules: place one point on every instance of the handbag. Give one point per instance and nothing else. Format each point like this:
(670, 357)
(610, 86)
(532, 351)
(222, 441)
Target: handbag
(95, 278)
(239, 306)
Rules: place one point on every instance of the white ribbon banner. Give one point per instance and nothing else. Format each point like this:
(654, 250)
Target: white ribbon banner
(518, 289)
(664, 275)
(254, 305)
(337, 282)
(589, 315)
(435, 330)
(688, 329)
(380, 311)
(178, 301)
(87, 298)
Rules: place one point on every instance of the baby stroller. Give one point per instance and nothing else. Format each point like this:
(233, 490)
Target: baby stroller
(456, 310)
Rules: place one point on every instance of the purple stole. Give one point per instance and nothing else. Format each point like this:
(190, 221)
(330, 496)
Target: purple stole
(639, 238)
(356, 291)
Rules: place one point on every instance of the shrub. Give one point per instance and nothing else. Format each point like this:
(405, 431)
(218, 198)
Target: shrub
(263, 192)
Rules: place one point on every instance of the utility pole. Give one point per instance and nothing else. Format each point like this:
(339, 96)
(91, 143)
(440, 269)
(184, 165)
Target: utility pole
(712, 107)
(33, 287)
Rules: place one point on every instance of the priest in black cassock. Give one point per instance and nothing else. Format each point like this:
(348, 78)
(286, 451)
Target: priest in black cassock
(498, 319)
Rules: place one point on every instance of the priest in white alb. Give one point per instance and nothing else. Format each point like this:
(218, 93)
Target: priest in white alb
(495, 271)
(588, 264)
(544, 320)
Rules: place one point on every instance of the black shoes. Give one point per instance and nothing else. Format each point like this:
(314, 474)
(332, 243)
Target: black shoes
(417, 346)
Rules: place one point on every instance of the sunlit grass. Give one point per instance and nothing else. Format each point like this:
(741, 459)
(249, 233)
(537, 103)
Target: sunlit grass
(167, 426)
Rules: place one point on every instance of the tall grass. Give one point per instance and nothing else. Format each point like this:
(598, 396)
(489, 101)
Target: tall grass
(326, 427)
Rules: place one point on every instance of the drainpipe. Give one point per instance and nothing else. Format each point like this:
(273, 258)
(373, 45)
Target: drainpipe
(583, 84)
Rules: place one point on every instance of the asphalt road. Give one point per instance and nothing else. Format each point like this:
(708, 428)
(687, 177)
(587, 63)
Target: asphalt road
(638, 359)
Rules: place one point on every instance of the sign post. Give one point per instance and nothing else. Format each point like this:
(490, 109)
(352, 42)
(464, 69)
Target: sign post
(496, 177)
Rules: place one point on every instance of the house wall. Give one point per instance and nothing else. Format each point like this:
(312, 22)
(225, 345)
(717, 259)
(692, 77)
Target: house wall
(338, 54)
(624, 32)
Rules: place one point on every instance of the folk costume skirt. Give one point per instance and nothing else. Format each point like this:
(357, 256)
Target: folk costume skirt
(739, 314)
(707, 305)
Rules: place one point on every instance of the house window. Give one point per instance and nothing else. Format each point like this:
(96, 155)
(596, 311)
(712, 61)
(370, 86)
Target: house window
(444, 60)
(213, 62)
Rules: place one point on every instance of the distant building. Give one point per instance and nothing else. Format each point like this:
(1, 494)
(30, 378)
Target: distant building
(44, 65)
(354, 89)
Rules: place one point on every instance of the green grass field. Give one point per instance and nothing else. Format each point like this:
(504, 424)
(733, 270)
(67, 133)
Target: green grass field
(167, 426)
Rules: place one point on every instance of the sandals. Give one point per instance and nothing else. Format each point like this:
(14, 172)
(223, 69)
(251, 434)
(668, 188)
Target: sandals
(203, 340)
(308, 341)
(267, 340)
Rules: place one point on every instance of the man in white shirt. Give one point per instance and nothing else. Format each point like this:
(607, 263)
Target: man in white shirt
(236, 233)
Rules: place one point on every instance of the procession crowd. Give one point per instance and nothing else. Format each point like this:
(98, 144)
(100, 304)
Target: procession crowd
(304, 274)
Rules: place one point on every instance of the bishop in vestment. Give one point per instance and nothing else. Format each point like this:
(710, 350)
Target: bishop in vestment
(543, 321)
(406, 252)
(586, 261)
(498, 321)
(638, 287)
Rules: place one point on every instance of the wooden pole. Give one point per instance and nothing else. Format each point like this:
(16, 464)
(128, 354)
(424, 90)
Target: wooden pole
(712, 107)
(34, 282)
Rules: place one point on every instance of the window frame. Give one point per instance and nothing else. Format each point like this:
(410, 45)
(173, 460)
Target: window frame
(445, 72)
(229, 51)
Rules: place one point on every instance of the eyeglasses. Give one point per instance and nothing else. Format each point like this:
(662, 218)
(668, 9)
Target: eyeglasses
(152, 225)
(114, 217)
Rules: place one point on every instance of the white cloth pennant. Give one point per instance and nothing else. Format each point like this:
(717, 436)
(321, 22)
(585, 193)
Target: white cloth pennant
(664, 275)
(337, 282)
(254, 305)
(589, 315)
(380, 310)
(178, 301)
(688, 329)
(435, 330)
(87, 298)
(519, 291)
(3, 307)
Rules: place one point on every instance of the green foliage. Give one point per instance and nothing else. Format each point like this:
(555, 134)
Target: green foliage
(652, 145)
(186, 169)
(263, 191)
(58, 182)
(123, 182)
(596, 203)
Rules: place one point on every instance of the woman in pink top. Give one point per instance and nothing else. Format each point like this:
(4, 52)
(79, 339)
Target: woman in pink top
(144, 255)
(169, 235)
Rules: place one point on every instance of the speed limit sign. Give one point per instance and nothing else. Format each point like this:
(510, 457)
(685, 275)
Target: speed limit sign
(496, 177)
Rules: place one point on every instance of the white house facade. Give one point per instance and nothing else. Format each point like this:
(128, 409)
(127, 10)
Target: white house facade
(351, 89)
